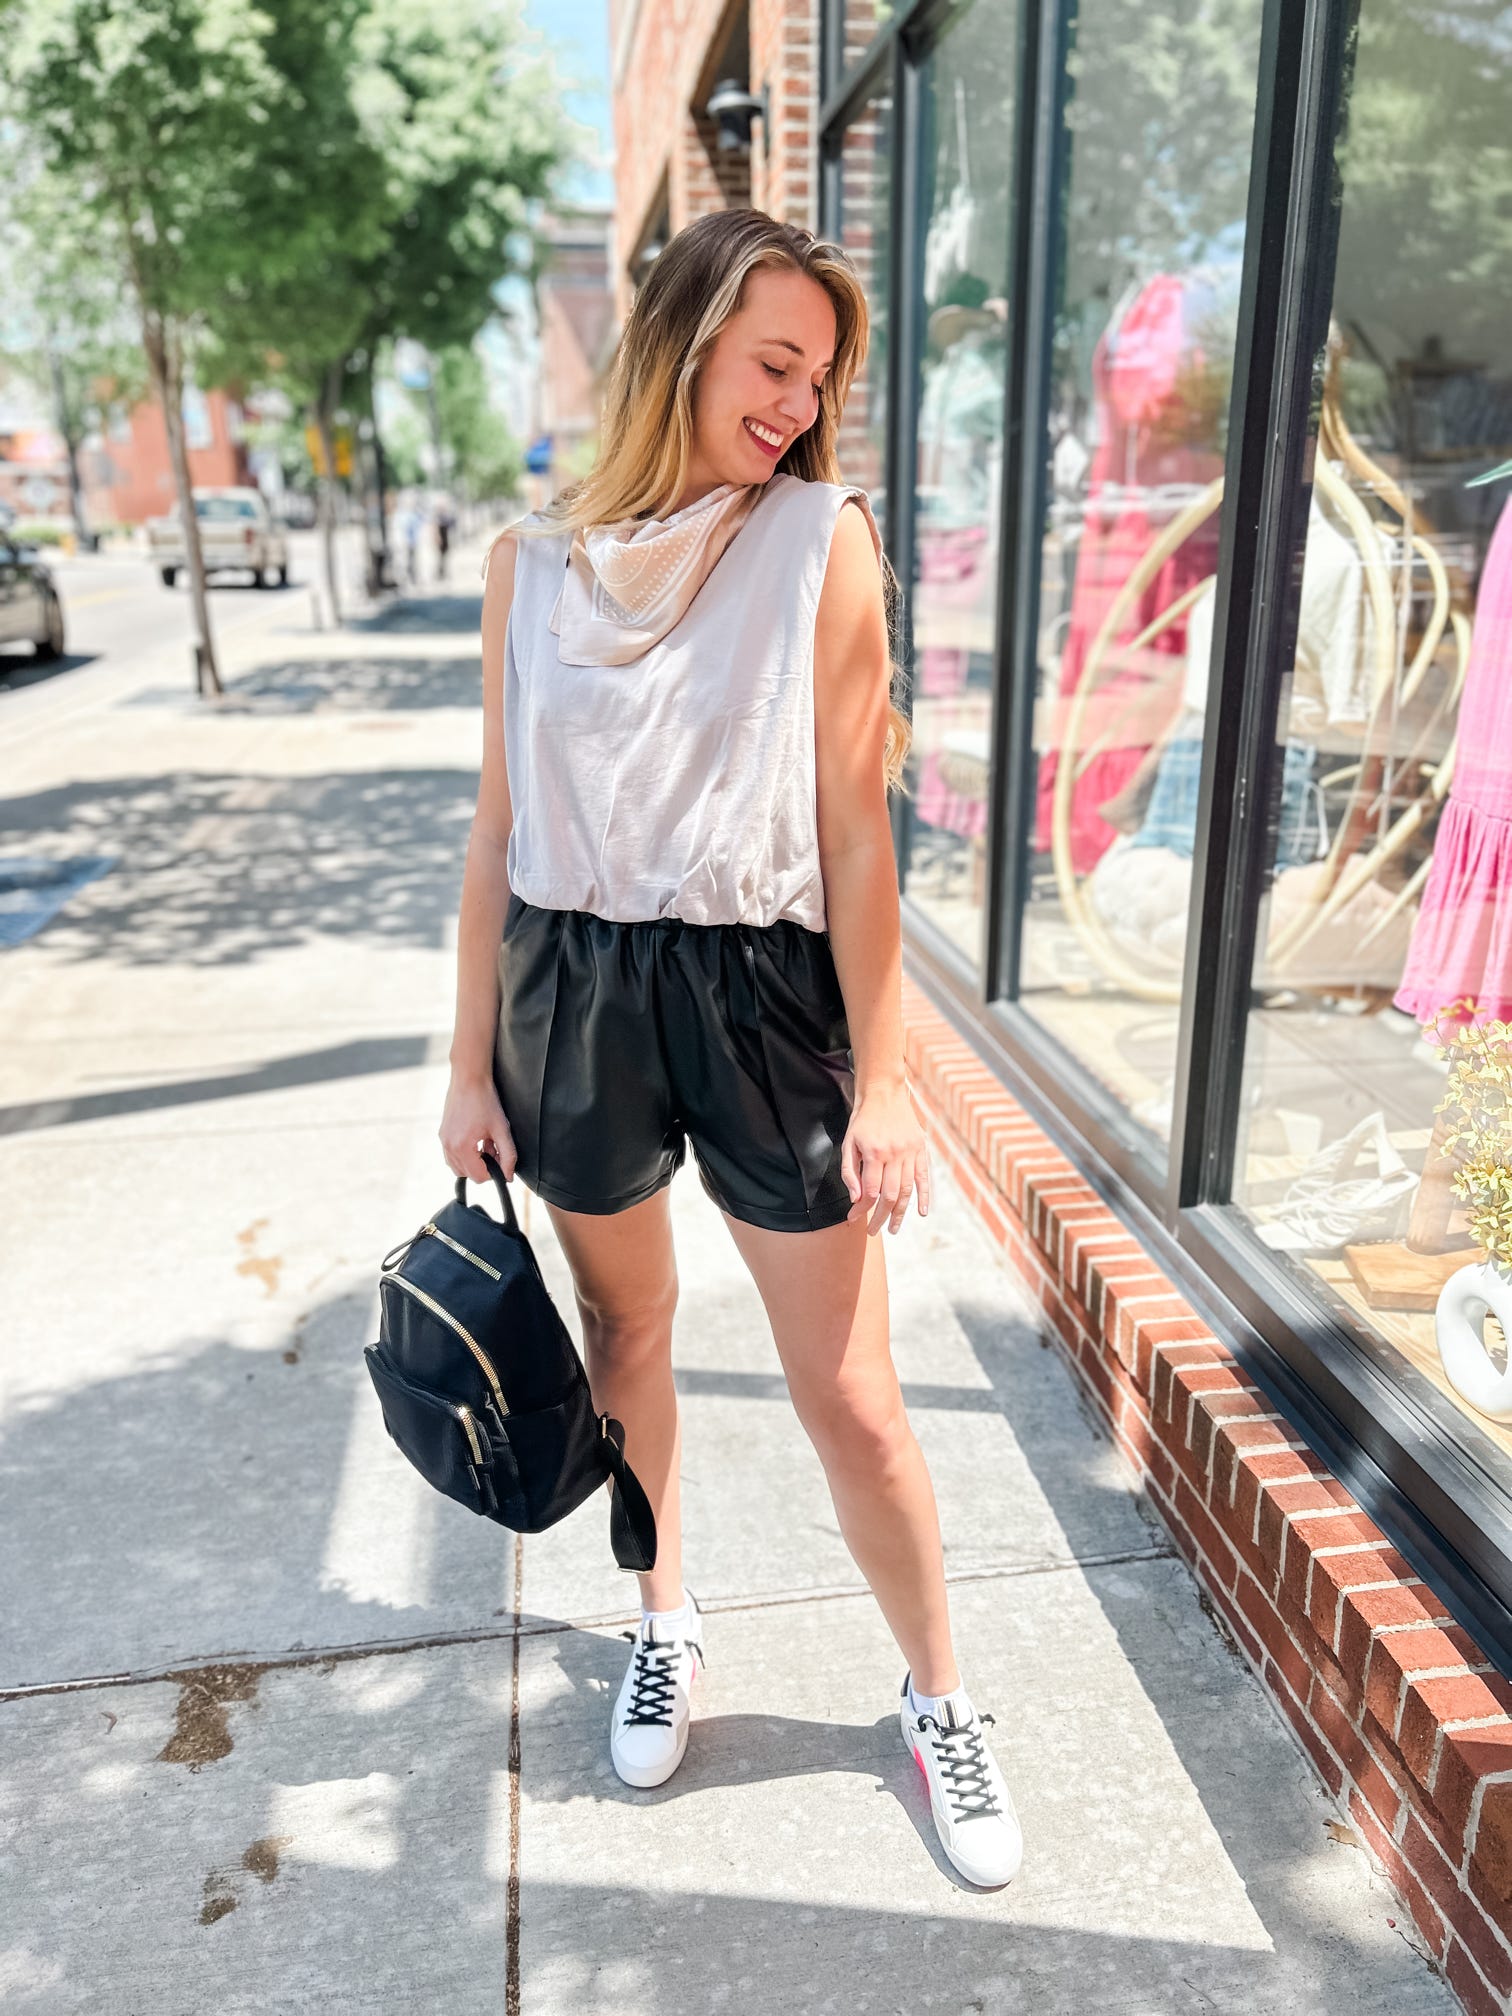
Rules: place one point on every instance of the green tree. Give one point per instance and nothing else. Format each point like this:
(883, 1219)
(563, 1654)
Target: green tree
(482, 450)
(440, 132)
(183, 137)
(64, 330)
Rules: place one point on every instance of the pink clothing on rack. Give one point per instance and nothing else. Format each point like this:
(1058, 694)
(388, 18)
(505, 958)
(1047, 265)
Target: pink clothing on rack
(1148, 372)
(1462, 941)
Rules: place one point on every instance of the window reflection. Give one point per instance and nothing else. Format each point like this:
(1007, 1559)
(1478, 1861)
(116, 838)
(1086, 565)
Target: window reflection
(1389, 916)
(866, 153)
(967, 114)
(1158, 122)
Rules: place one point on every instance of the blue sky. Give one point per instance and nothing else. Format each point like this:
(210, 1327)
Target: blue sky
(579, 30)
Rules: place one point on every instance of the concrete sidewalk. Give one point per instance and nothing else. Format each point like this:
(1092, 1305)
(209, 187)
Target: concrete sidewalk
(282, 1730)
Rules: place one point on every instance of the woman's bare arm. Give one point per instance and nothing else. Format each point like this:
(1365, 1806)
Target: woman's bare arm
(851, 677)
(473, 1113)
(884, 1157)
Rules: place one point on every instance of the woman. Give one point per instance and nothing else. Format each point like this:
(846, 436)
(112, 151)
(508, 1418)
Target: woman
(679, 920)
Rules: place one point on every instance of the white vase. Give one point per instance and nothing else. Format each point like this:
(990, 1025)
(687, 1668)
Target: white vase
(1464, 1302)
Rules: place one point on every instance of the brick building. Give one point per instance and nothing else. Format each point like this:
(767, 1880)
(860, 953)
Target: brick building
(575, 338)
(670, 166)
(126, 472)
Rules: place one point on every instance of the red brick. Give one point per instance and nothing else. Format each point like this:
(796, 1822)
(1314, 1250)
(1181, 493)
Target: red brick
(1465, 1757)
(1088, 1249)
(1306, 1536)
(1208, 1535)
(1253, 1476)
(1396, 1656)
(1182, 1339)
(1424, 1911)
(1265, 1619)
(1216, 1418)
(1469, 1984)
(1364, 1612)
(1431, 1703)
(1334, 1576)
(1190, 1383)
(1023, 1172)
(1457, 1906)
(1237, 1440)
(1338, 1724)
(1225, 1603)
(1171, 1358)
(1299, 1528)
(1323, 1760)
(1491, 1844)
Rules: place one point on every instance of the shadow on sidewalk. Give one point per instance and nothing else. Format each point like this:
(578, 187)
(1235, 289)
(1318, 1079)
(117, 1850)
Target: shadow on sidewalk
(223, 867)
(223, 1502)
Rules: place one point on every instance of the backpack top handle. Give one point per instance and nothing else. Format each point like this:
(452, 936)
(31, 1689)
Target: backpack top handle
(501, 1184)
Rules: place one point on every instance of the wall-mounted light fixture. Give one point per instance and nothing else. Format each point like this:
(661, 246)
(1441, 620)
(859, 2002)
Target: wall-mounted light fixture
(732, 108)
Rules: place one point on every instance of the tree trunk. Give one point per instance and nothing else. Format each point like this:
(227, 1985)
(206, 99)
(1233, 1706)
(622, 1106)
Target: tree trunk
(166, 360)
(325, 413)
(382, 561)
(68, 428)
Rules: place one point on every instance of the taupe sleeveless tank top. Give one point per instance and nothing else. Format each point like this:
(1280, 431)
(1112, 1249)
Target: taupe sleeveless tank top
(682, 783)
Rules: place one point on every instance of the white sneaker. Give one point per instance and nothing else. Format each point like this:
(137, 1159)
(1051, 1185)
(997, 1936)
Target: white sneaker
(649, 1731)
(974, 1813)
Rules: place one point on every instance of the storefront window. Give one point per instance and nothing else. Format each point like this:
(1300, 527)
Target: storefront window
(1389, 914)
(862, 21)
(1158, 123)
(966, 147)
(866, 153)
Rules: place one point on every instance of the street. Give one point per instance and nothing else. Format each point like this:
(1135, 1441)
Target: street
(123, 624)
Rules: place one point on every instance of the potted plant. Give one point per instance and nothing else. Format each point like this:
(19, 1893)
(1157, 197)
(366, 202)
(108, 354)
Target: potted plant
(1477, 1105)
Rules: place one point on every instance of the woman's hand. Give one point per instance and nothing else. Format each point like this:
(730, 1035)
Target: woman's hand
(472, 1120)
(884, 1157)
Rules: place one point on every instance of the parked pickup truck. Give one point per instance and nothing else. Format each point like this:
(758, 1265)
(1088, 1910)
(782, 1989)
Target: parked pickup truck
(236, 531)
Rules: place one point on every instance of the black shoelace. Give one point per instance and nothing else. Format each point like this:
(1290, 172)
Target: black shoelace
(963, 1767)
(655, 1683)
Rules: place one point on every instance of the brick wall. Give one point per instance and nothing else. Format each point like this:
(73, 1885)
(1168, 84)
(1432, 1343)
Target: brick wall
(1401, 1715)
(666, 57)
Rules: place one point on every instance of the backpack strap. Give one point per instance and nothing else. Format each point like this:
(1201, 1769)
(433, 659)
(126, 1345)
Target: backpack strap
(632, 1524)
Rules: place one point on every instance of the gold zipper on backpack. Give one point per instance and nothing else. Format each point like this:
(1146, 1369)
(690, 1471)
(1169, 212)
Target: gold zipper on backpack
(464, 1415)
(457, 1247)
(466, 1335)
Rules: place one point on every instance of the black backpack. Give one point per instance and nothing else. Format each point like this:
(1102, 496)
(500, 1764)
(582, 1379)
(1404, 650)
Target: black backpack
(481, 1384)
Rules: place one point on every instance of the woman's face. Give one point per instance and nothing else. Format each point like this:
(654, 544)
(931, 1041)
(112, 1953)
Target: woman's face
(759, 386)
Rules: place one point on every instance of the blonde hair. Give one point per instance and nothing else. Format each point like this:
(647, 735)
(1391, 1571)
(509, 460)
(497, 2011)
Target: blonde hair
(646, 433)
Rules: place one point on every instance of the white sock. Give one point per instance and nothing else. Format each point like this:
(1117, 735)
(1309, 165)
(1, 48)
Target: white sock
(669, 1622)
(934, 1704)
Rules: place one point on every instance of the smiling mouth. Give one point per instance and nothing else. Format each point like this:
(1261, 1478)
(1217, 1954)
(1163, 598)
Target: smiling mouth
(771, 447)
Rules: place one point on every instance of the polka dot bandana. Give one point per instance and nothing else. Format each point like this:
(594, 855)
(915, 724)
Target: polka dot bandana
(625, 585)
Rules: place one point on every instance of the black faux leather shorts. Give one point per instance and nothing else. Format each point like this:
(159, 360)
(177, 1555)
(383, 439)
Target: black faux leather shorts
(620, 1042)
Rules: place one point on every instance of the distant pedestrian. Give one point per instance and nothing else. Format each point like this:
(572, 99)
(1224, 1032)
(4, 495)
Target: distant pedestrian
(684, 824)
(445, 523)
(409, 532)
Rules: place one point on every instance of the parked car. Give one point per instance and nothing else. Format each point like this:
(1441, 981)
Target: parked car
(237, 534)
(31, 609)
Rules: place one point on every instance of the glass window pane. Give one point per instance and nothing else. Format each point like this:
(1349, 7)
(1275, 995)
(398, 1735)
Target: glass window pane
(1389, 914)
(866, 153)
(862, 20)
(1158, 125)
(966, 150)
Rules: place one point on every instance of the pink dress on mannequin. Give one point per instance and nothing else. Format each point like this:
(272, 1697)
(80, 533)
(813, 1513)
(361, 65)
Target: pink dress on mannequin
(1462, 941)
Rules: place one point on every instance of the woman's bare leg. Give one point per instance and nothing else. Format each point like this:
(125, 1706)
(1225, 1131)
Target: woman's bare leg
(825, 1295)
(624, 1274)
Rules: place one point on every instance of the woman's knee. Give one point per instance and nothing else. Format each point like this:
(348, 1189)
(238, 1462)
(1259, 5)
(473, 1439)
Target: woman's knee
(860, 1429)
(628, 1329)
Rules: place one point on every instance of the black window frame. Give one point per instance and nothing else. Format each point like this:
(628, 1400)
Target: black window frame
(1407, 1457)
